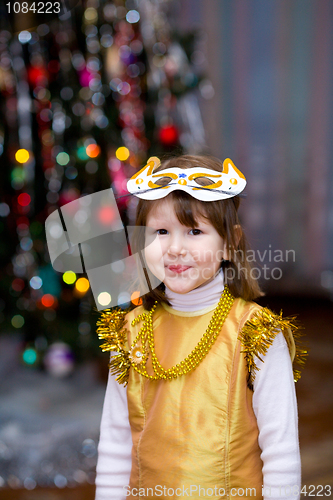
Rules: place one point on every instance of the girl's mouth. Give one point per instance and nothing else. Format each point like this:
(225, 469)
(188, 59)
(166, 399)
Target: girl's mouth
(178, 269)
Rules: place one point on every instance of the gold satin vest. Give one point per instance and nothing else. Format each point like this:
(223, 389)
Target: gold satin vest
(195, 436)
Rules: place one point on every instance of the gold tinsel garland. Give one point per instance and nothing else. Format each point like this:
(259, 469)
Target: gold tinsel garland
(258, 334)
(111, 329)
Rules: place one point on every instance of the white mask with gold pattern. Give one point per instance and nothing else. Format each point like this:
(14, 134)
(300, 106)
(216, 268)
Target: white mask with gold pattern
(226, 184)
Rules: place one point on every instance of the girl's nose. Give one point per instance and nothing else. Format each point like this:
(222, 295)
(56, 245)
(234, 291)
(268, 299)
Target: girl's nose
(177, 247)
(173, 251)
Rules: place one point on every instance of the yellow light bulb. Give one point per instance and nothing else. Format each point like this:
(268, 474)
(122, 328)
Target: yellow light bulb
(69, 277)
(22, 155)
(122, 153)
(82, 285)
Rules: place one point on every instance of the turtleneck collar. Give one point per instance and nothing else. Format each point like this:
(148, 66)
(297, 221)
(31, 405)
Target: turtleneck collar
(199, 298)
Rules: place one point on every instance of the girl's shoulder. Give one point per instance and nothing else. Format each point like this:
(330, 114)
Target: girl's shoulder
(134, 312)
(243, 310)
(114, 325)
(113, 329)
(257, 330)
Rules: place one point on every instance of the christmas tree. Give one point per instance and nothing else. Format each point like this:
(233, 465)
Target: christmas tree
(86, 96)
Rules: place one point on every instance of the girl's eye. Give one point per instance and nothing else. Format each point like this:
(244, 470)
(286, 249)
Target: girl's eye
(164, 231)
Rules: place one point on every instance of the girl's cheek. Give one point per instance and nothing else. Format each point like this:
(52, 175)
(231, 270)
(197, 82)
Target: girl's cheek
(199, 254)
(196, 258)
(203, 255)
(154, 251)
(155, 261)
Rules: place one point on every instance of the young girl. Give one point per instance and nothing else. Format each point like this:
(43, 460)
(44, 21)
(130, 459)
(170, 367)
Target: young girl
(200, 400)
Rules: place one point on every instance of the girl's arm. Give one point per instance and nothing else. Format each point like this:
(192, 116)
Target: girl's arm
(115, 445)
(275, 406)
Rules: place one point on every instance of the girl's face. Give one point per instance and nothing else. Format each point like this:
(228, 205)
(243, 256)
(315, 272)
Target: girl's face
(182, 257)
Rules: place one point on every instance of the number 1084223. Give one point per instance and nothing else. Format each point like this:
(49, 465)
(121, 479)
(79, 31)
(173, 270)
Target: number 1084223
(34, 7)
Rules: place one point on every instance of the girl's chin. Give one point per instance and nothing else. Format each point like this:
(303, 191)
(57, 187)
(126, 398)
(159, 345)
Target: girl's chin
(181, 285)
(181, 290)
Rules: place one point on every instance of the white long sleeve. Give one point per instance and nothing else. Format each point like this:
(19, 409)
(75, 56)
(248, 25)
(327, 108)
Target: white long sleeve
(275, 407)
(115, 444)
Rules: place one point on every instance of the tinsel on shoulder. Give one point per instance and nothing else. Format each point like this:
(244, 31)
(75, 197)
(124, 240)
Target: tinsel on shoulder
(111, 329)
(258, 334)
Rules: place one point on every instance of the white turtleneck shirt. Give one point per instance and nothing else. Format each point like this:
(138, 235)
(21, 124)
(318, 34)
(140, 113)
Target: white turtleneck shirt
(274, 405)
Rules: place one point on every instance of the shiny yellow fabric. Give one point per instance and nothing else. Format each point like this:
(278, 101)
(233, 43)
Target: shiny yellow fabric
(197, 430)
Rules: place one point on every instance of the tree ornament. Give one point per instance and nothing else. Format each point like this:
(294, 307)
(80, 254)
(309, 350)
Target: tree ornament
(168, 135)
(59, 360)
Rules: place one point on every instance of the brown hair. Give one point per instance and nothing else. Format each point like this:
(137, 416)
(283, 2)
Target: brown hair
(222, 215)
